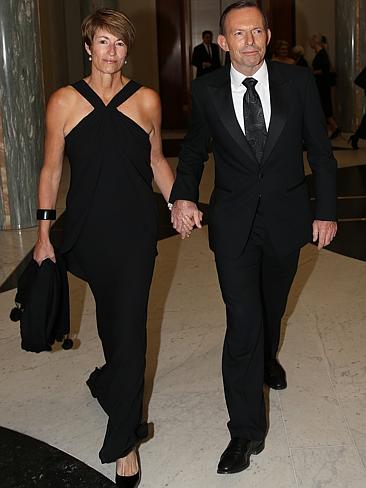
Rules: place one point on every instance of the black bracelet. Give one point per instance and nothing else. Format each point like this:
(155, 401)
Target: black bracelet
(46, 214)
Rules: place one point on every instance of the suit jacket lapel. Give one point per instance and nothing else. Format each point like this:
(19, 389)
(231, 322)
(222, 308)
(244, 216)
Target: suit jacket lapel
(223, 101)
(278, 87)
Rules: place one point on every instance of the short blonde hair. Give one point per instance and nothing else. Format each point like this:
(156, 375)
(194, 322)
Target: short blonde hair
(298, 50)
(113, 21)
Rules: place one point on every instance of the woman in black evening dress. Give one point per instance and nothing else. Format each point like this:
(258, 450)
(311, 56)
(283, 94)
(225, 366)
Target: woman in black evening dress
(321, 69)
(361, 129)
(109, 127)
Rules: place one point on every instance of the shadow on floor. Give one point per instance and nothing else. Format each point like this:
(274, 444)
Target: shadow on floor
(42, 466)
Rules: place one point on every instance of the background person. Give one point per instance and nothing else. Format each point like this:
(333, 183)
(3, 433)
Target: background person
(321, 70)
(206, 56)
(361, 129)
(281, 53)
(298, 55)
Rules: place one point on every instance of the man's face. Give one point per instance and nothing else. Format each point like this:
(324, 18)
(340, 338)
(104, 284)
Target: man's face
(246, 38)
(207, 39)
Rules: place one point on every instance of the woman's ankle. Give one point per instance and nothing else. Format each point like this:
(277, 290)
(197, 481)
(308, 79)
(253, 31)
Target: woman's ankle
(128, 465)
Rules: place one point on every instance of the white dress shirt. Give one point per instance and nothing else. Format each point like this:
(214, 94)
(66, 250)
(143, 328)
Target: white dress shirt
(262, 87)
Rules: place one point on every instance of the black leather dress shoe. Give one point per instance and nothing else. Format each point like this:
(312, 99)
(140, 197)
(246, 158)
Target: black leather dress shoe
(128, 481)
(275, 375)
(353, 140)
(335, 133)
(236, 456)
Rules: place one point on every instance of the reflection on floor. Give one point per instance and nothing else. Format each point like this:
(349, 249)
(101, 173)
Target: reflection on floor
(351, 191)
(317, 433)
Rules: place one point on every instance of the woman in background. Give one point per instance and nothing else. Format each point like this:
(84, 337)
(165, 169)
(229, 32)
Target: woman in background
(321, 70)
(109, 127)
(361, 129)
(298, 55)
(281, 53)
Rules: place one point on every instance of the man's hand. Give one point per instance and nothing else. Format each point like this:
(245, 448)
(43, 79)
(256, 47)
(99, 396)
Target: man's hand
(185, 215)
(324, 232)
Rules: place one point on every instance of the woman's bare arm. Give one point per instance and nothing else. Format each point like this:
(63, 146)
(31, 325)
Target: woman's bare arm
(50, 175)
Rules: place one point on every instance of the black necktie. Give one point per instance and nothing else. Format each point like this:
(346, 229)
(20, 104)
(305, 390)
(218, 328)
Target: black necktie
(255, 126)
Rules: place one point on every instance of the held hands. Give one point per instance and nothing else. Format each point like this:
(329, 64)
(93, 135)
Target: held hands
(42, 251)
(185, 215)
(324, 232)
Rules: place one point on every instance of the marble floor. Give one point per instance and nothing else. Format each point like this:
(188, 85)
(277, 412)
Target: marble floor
(317, 436)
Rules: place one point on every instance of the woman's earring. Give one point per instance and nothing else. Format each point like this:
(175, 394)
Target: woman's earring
(125, 61)
(90, 58)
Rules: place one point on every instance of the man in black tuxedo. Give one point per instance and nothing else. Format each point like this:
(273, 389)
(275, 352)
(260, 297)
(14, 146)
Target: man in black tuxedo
(258, 114)
(206, 57)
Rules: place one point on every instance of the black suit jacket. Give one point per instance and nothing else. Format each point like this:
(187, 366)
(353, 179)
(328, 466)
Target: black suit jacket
(200, 55)
(279, 182)
(43, 298)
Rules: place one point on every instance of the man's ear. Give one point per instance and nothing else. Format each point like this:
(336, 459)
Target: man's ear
(221, 41)
(268, 36)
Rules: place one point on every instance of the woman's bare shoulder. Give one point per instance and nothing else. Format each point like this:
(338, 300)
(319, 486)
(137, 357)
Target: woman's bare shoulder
(149, 98)
(64, 98)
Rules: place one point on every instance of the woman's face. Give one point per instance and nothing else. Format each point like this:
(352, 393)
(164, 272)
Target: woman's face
(283, 51)
(107, 51)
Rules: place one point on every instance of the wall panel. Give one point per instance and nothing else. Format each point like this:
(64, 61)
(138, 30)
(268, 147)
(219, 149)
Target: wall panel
(173, 30)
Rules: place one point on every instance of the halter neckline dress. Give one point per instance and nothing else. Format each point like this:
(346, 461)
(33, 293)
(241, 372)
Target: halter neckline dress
(110, 235)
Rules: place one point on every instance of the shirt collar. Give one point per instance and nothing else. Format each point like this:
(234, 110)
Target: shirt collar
(237, 78)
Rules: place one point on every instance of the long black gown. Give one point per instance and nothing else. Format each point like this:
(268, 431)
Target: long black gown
(110, 235)
(321, 63)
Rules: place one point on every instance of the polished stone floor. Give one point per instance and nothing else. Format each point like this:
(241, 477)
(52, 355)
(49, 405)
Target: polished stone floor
(317, 435)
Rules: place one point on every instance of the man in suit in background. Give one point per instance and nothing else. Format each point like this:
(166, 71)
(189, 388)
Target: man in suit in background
(258, 114)
(206, 56)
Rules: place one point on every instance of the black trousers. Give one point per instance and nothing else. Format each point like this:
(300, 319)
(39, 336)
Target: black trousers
(119, 279)
(254, 287)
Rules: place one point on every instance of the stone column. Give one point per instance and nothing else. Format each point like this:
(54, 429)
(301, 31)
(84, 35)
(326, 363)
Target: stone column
(87, 7)
(350, 59)
(21, 112)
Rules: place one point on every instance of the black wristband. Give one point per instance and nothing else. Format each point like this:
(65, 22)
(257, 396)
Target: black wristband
(46, 214)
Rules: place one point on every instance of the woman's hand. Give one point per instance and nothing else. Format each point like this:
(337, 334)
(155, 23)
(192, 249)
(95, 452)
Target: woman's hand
(42, 251)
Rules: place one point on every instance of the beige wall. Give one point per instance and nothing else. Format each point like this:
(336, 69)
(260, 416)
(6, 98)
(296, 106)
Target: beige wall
(142, 63)
(315, 17)
(74, 45)
(53, 43)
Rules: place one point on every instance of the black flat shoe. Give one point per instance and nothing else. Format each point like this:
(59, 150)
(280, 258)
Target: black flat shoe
(236, 456)
(275, 375)
(353, 140)
(128, 481)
